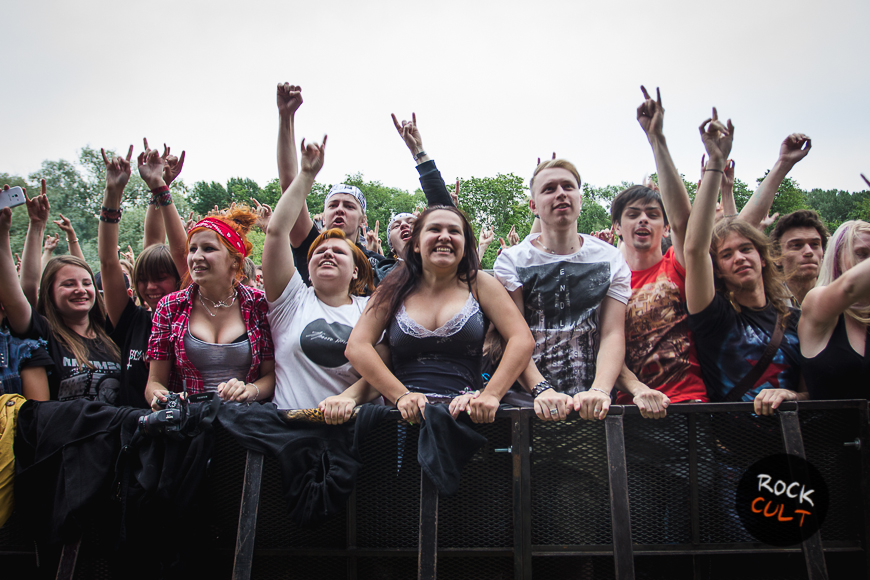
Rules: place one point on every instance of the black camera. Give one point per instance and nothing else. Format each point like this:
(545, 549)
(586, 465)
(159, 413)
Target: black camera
(170, 419)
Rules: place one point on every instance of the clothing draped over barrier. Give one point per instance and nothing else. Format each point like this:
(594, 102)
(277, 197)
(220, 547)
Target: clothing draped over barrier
(621, 498)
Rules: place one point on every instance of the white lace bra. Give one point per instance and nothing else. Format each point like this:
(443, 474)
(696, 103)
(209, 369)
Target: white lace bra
(449, 328)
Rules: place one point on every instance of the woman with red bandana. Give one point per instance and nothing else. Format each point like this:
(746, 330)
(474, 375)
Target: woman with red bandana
(213, 335)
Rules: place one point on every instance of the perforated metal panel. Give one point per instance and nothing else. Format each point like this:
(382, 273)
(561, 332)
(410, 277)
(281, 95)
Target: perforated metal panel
(574, 567)
(569, 483)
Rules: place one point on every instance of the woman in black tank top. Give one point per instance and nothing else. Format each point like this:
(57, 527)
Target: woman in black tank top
(835, 318)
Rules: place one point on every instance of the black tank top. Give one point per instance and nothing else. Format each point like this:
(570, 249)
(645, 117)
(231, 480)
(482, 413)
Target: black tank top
(838, 372)
(445, 361)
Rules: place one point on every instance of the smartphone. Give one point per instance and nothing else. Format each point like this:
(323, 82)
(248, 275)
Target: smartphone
(12, 197)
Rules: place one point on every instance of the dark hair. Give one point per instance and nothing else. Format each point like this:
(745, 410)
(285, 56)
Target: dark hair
(802, 218)
(632, 194)
(775, 289)
(406, 276)
(153, 263)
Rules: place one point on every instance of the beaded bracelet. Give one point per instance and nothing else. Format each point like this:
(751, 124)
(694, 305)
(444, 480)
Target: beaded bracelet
(161, 196)
(109, 215)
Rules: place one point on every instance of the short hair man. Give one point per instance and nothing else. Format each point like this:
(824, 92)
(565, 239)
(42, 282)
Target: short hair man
(572, 289)
(659, 354)
(345, 205)
(800, 239)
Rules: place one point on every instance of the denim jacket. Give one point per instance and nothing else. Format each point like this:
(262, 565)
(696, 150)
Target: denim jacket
(12, 351)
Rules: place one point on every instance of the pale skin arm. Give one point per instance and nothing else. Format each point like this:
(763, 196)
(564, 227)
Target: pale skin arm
(486, 238)
(410, 134)
(700, 287)
(260, 390)
(549, 400)
(115, 295)
(72, 239)
(289, 98)
(650, 115)
(729, 205)
(278, 265)
(338, 409)
(159, 171)
(594, 404)
(496, 305)
(362, 355)
(31, 264)
(795, 147)
(34, 383)
(18, 311)
(768, 400)
(47, 253)
(156, 388)
(823, 306)
(652, 404)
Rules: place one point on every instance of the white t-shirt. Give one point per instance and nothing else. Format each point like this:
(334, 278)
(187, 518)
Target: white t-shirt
(310, 338)
(561, 297)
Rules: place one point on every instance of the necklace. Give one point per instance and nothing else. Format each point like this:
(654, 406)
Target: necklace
(540, 243)
(218, 304)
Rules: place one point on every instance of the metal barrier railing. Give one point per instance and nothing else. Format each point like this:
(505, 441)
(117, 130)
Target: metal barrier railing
(621, 498)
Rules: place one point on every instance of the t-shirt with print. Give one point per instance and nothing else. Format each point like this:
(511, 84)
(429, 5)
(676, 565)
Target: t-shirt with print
(659, 347)
(67, 380)
(561, 297)
(310, 338)
(131, 335)
(729, 344)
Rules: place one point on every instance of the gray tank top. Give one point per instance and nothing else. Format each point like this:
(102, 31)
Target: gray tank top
(218, 363)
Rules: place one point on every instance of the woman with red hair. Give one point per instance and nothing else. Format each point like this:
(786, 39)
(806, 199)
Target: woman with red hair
(213, 335)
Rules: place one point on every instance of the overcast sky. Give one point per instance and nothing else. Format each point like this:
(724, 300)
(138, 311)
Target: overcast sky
(494, 84)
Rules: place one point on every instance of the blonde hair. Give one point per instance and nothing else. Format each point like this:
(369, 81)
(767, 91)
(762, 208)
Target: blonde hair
(551, 164)
(842, 244)
(96, 317)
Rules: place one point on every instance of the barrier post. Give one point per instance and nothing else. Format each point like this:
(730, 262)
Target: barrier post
(247, 530)
(794, 445)
(67, 566)
(427, 550)
(620, 514)
(522, 495)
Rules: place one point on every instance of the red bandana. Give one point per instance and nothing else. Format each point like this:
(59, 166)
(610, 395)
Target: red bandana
(222, 229)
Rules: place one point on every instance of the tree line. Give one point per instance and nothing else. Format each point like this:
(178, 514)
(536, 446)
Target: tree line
(500, 202)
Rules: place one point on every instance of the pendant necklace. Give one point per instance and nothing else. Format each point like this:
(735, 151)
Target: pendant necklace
(218, 304)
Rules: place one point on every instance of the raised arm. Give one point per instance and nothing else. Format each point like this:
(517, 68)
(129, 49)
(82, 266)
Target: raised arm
(700, 287)
(430, 178)
(795, 147)
(289, 98)
(650, 115)
(278, 265)
(18, 310)
(158, 172)
(31, 264)
(72, 240)
(115, 295)
(729, 205)
(47, 251)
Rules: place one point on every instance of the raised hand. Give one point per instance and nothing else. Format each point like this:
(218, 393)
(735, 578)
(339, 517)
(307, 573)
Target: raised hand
(171, 165)
(728, 175)
(455, 194)
(539, 159)
(373, 241)
(312, 156)
(118, 170)
(651, 114)
(5, 220)
(795, 147)
(867, 181)
(768, 221)
(50, 243)
(289, 99)
(409, 133)
(502, 246)
(129, 255)
(66, 226)
(151, 165)
(264, 214)
(717, 139)
(190, 222)
(38, 206)
(486, 237)
(513, 236)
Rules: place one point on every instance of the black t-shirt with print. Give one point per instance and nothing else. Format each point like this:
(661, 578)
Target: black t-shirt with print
(66, 380)
(131, 335)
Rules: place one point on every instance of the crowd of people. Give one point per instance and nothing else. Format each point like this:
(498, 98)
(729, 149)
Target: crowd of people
(679, 302)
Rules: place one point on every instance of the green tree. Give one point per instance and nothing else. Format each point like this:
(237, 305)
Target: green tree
(205, 196)
(382, 202)
(789, 197)
(243, 189)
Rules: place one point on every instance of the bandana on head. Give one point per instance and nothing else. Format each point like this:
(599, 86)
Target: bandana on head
(349, 190)
(393, 221)
(223, 230)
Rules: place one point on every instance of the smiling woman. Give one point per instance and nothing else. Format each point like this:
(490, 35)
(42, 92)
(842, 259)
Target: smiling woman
(213, 335)
(435, 308)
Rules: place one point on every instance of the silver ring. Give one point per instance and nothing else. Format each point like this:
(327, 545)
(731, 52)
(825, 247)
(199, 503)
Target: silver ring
(554, 411)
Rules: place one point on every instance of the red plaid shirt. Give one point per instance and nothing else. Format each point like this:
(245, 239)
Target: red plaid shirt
(169, 325)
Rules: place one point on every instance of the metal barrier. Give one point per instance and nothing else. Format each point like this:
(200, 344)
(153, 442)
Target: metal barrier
(621, 498)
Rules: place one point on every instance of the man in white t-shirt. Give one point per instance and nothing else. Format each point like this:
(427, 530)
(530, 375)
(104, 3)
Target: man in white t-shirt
(572, 290)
